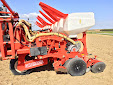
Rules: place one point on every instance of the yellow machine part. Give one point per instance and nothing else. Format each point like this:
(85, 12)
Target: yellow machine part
(30, 38)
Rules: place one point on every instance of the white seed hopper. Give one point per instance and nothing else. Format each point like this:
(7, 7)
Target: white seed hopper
(75, 23)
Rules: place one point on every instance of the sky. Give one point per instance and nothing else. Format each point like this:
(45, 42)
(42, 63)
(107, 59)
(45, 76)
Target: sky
(103, 9)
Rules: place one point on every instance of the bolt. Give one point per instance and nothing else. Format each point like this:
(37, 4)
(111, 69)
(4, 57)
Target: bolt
(63, 56)
(89, 60)
(54, 48)
(76, 56)
(16, 57)
(39, 39)
(40, 57)
(62, 39)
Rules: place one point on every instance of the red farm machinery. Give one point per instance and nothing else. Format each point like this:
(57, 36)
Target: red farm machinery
(54, 43)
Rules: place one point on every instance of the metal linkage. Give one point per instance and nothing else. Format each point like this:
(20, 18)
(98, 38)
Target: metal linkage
(28, 50)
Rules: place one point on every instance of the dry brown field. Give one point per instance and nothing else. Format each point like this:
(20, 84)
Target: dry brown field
(100, 45)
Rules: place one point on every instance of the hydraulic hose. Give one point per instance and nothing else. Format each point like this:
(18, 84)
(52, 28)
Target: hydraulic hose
(24, 24)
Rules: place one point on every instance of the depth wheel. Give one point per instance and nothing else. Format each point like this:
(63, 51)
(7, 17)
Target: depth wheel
(15, 71)
(76, 67)
(98, 67)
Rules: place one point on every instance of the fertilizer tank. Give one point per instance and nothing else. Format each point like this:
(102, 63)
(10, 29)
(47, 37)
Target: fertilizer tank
(74, 23)
(70, 24)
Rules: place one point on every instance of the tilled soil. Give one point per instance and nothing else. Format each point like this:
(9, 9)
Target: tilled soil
(100, 45)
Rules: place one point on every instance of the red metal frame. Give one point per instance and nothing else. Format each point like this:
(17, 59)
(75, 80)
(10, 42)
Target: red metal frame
(53, 10)
(8, 7)
(43, 21)
(39, 24)
(49, 19)
(11, 11)
(51, 15)
(20, 47)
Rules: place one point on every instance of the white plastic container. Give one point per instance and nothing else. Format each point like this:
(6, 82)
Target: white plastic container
(75, 23)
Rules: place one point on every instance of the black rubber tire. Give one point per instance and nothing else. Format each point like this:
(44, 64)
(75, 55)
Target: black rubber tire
(76, 67)
(65, 71)
(12, 68)
(98, 67)
(65, 64)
